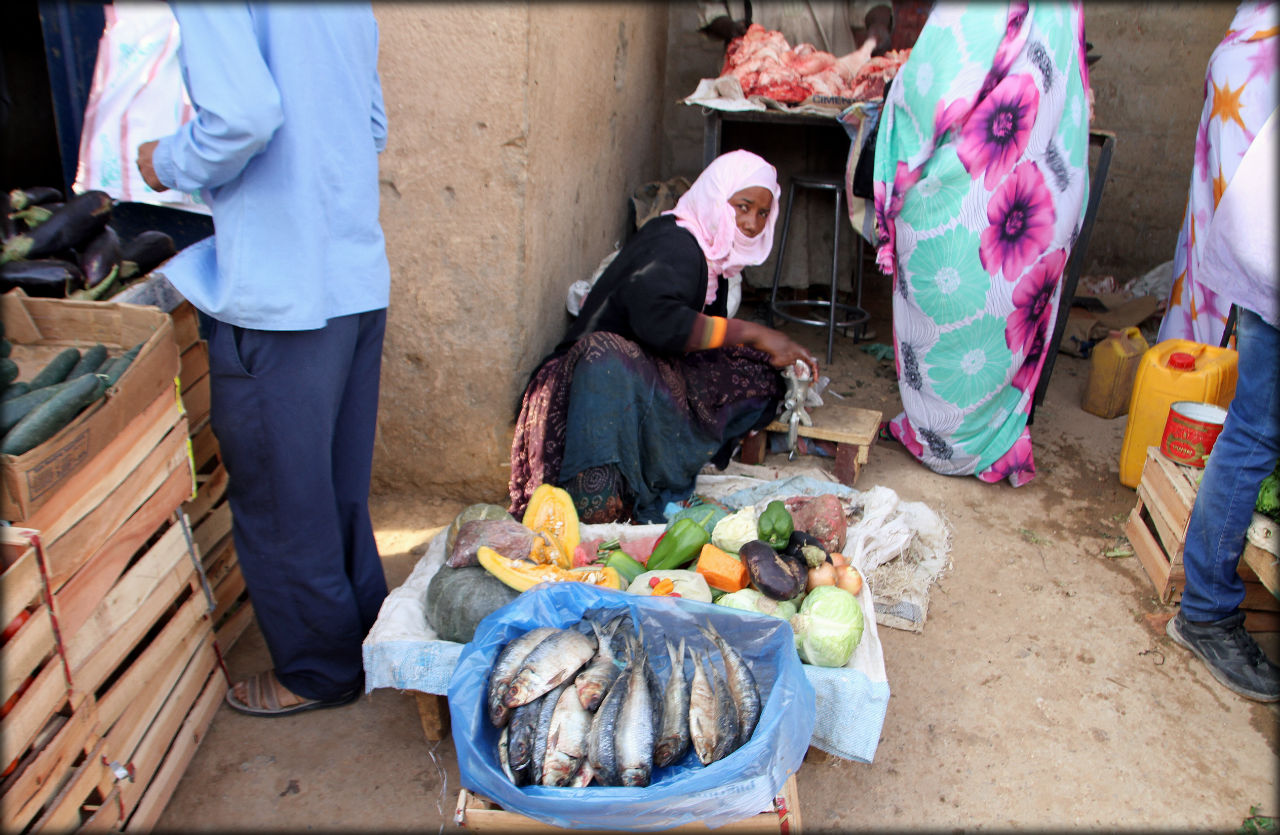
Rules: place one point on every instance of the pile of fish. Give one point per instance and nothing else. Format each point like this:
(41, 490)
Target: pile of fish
(576, 707)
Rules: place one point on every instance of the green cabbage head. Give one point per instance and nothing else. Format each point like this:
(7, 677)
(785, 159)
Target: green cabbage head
(750, 600)
(1269, 495)
(828, 627)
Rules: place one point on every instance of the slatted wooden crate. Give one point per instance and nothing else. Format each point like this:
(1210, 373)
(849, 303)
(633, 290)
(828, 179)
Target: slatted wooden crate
(480, 814)
(1157, 529)
(208, 512)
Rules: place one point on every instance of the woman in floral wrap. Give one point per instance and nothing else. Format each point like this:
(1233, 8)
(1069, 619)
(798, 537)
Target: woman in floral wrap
(980, 188)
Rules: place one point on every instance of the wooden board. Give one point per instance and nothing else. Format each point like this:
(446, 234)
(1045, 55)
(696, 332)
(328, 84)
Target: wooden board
(482, 815)
(43, 771)
(838, 422)
(83, 794)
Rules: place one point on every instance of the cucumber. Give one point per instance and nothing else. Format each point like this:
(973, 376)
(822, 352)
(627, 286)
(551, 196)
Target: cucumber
(89, 362)
(6, 347)
(15, 390)
(113, 369)
(57, 369)
(16, 408)
(8, 371)
(50, 417)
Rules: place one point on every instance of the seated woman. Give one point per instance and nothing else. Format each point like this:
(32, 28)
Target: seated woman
(653, 380)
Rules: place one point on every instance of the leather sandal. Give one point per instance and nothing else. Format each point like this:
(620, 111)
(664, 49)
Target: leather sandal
(261, 698)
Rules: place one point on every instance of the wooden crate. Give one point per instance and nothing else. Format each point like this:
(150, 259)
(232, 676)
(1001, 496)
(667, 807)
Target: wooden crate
(851, 429)
(39, 785)
(482, 815)
(1157, 529)
(34, 685)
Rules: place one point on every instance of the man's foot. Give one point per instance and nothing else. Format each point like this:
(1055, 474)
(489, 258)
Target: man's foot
(263, 695)
(1231, 654)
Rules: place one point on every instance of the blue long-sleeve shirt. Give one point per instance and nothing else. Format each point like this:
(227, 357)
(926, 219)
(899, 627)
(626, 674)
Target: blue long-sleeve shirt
(284, 149)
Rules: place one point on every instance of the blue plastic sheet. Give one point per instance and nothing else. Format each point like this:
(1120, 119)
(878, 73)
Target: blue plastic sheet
(741, 785)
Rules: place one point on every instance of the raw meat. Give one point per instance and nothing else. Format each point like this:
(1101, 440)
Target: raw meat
(766, 65)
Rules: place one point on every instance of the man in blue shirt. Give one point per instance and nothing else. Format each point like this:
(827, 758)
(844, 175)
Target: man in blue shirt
(293, 288)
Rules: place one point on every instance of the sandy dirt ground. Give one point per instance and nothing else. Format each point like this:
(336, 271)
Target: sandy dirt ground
(1039, 696)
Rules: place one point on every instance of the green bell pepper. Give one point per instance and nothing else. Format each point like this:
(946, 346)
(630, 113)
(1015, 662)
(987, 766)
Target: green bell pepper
(679, 545)
(775, 525)
(627, 566)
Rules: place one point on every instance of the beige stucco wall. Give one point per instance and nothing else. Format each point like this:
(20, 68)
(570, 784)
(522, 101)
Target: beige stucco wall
(516, 131)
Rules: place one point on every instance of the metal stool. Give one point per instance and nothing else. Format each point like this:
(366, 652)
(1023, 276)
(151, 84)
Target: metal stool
(856, 315)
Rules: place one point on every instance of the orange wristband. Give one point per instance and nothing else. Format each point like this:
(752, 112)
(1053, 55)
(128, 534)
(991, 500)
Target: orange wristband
(719, 325)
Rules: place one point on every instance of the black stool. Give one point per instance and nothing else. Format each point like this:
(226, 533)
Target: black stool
(855, 314)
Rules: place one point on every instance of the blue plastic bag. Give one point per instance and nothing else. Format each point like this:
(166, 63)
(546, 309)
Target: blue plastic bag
(739, 786)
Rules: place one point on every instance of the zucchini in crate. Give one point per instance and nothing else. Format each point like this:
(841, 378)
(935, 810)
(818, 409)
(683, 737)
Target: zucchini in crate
(79, 220)
(89, 362)
(50, 417)
(57, 369)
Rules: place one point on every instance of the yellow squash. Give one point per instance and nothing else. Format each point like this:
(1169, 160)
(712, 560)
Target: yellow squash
(522, 575)
(551, 512)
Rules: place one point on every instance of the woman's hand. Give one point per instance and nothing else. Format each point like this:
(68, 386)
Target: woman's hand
(782, 349)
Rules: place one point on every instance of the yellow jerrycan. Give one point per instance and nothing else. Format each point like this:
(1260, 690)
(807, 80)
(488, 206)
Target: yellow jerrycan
(1113, 365)
(1172, 370)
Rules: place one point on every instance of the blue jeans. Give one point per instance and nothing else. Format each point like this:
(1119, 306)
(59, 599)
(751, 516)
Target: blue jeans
(1244, 454)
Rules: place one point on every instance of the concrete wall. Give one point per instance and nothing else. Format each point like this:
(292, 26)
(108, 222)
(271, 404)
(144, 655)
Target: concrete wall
(517, 130)
(1149, 89)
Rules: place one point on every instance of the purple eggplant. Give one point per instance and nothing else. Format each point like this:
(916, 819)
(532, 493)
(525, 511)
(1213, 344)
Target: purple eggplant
(144, 252)
(78, 221)
(101, 255)
(44, 277)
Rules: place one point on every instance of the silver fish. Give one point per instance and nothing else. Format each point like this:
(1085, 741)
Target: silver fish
(596, 678)
(504, 760)
(704, 709)
(726, 716)
(584, 775)
(601, 749)
(566, 739)
(556, 659)
(521, 728)
(635, 730)
(742, 684)
(546, 708)
(673, 732)
(505, 668)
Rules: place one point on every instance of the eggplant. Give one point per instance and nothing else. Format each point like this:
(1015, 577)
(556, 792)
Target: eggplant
(73, 225)
(800, 539)
(7, 226)
(776, 575)
(100, 257)
(34, 215)
(43, 277)
(21, 198)
(144, 252)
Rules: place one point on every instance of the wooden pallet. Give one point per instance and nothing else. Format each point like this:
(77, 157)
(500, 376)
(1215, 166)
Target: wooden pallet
(482, 815)
(851, 429)
(1157, 529)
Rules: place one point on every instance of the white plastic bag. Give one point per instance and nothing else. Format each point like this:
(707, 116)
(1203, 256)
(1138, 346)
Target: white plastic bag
(137, 95)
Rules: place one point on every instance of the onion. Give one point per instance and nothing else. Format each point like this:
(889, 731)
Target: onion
(849, 579)
(823, 575)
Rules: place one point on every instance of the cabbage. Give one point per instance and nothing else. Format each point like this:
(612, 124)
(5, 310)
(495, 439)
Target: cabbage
(828, 627)
(1268, 502)
(750, 600)
(735, 530)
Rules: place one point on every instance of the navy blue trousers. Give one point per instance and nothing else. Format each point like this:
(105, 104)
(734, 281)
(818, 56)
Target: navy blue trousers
(294, 413)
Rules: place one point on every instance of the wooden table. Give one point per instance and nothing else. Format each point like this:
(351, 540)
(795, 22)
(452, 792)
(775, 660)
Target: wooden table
(853, 431)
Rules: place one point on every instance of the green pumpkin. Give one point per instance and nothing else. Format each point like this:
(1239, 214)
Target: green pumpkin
(459, 598)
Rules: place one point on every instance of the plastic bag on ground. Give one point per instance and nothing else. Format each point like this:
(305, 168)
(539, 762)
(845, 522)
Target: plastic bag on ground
(739, 786)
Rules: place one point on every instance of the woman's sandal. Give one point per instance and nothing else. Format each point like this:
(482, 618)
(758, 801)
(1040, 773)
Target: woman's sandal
(262, 699)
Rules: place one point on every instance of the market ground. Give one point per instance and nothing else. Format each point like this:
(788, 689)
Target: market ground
(1039, 696)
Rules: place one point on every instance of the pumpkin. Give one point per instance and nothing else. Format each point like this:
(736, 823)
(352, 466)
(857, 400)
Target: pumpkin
(551, 512)
(459, 598)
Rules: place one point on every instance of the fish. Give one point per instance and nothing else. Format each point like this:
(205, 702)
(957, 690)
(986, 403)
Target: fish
(521, 728)
(542, 728)
(505, 668)
(673, 730)
(584, 775)
(601, 748)
(635, 730)
(595, 679)
(556, 658)
(566, 739)
(517, 778)
(704, 707)
(726, 717)
(741, 681)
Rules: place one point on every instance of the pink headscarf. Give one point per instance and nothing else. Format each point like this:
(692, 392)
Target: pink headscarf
(705, 211)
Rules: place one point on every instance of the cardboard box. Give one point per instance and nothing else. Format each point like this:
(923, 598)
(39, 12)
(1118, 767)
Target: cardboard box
(39, 329)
